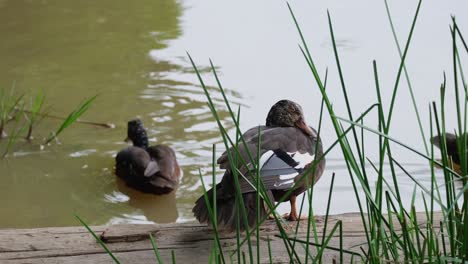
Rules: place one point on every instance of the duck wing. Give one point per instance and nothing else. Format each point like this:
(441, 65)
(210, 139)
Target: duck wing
(151, 169)
(163, 162)
(285, 152)
(131, 162)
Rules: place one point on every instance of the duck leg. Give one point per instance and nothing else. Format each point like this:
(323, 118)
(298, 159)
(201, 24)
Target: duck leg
(293, 214)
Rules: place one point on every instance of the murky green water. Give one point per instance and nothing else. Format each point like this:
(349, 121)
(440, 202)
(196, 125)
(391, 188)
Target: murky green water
(132, 54)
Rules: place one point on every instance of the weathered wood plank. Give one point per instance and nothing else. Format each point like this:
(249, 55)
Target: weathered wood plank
(192, 243)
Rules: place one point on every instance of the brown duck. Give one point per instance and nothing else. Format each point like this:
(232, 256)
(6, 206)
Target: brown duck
(288, 148)
(150, 169)
(452, 149)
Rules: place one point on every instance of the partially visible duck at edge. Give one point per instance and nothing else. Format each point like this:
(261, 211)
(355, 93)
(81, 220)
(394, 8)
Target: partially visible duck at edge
(452, 149)
(288, 148)
(150, 169)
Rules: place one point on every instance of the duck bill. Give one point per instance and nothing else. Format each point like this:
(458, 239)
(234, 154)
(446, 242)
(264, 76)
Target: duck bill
(301, 124)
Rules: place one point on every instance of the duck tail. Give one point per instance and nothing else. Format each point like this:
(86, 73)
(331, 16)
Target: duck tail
(227, 211)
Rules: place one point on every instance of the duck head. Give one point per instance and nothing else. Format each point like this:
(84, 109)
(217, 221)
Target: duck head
(136, 133)
(286, 113)
(451, 140)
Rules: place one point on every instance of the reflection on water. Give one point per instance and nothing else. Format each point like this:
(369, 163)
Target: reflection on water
(159, 209)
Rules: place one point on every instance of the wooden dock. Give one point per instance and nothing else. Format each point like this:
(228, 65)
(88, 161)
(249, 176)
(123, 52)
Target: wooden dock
(191, 242)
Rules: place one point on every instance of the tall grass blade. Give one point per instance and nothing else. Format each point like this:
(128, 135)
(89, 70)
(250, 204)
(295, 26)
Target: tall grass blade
(399, 143)
(36, 108)
(232, 161)
(319, 256)
(15, 133)
(408, 81)
(349, 158)
(8, 104)
(71, 118)
(270, 257)
(327, 247)
(288, 246)
(345, 95)
(211, 214)
(173, 257)
(156, 250)
(103, 245)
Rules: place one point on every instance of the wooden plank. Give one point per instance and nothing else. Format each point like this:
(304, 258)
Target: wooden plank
(191, 242)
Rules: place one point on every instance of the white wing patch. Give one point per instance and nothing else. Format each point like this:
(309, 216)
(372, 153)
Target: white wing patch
(265, 157)
(285, 181)
(277, 171)
(302, 159)
(286, 177)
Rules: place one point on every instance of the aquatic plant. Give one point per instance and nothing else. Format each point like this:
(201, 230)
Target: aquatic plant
(15, 132)
(36, 114)
(71, 118)
(9, 103)
(17, 121)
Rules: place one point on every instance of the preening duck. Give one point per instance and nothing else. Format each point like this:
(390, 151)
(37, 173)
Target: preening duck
(288, 148)
(150, 169)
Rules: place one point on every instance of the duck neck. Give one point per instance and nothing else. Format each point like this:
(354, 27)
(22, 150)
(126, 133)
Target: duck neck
(141, 140)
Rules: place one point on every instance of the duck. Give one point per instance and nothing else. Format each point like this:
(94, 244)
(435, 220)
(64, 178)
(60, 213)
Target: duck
(288, 148)
(452, 149)
(149, 169)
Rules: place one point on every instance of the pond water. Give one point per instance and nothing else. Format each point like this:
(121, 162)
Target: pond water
(133, 55)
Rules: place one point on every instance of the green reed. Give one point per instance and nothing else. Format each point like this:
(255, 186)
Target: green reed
(103, 245)
(9, 102)
(255, 181)
(11, 125)
(383, 242)
(156, 250)
(36, 114)
(15, 132)
(71, 118)
(18, 119)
